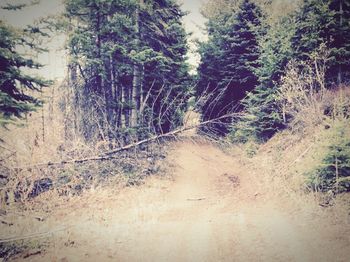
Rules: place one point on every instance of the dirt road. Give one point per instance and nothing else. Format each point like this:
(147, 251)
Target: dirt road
(212, 210)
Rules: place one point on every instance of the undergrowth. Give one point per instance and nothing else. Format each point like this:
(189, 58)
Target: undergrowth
(26, 169)
(333, 171)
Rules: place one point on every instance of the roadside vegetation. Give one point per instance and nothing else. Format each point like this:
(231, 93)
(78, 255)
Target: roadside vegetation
(272, 90)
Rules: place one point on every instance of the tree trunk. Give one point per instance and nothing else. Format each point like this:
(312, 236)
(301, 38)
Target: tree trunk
(136, 93)
(115, 97)
(125, 121)
(108, 91)
(340, 80)
(119, 108)
(72, 85)
(99, 84)
(137, 74)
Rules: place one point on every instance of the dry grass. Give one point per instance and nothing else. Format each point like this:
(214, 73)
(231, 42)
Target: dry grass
(41, 138)
(269, 187)
(272, 172)
(307, 99)
(281, 164)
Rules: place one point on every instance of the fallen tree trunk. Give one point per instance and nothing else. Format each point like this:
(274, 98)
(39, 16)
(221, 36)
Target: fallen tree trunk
(110, 154)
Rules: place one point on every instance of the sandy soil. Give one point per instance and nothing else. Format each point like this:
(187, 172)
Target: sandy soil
(212, 210)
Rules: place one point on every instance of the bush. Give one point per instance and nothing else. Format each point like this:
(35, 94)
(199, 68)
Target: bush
(261, 119)
(333, 172)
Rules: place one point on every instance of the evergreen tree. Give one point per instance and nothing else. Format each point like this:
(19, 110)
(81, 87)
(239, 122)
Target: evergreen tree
(130, 54)
(241, 52)
(263, 116)
(325, 22)
(14, 83)
(237, 53)
(101, 42)
(339, 68)
(166, 76)
(334, 170)
(314, 21)
(210, 68)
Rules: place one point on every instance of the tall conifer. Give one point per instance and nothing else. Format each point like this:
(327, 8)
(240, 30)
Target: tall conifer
(233, 63)
(15, 82)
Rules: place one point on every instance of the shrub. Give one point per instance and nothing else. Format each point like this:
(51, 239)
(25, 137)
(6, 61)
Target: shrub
(333, 172)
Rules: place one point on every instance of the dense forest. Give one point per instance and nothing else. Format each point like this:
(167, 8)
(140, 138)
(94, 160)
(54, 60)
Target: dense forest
(127, 66)
(258, 63)
(273, 76)
(248, 52)
(129, 77)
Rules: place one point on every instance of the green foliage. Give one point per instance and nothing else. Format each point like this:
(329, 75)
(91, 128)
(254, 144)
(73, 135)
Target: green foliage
(339, 65)
(166, 72)
(334, 171)
(14, 83)
(325, 22)
(131, 55)
(211, 56)
(241, 52)
(275, 51)
(228, 62)
(299, 37)
(314, 21)
(261, 119)
(262, 116)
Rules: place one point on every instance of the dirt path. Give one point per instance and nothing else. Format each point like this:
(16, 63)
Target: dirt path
(212, 211)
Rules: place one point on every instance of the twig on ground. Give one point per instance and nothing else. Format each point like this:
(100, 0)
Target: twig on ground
(196, 199)
(34, 235)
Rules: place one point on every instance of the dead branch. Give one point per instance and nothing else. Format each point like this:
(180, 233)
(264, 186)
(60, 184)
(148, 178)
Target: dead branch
(34, 235)
(196, 199)
(109, 154)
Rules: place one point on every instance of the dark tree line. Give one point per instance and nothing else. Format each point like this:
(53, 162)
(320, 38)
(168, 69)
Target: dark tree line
(128, 77)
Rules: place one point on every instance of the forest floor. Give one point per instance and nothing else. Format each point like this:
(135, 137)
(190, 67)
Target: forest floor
(208, 208)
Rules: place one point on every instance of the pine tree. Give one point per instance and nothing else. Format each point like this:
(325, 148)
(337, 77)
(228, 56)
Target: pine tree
(165, 70)
(95, 41)
(314, 21)
(14, 83)
(315, 24)
(124, 51)
(228, 62)
(241, 52)
(211, 52)
(263, 116)
(334, 171)
(325, 22)
(339, 68)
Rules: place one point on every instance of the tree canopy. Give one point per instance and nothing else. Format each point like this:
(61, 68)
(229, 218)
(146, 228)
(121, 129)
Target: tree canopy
(130, 55)
(246, 55)
(228, 62)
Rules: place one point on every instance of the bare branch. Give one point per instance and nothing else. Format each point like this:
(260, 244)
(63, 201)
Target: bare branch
(110, 154)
